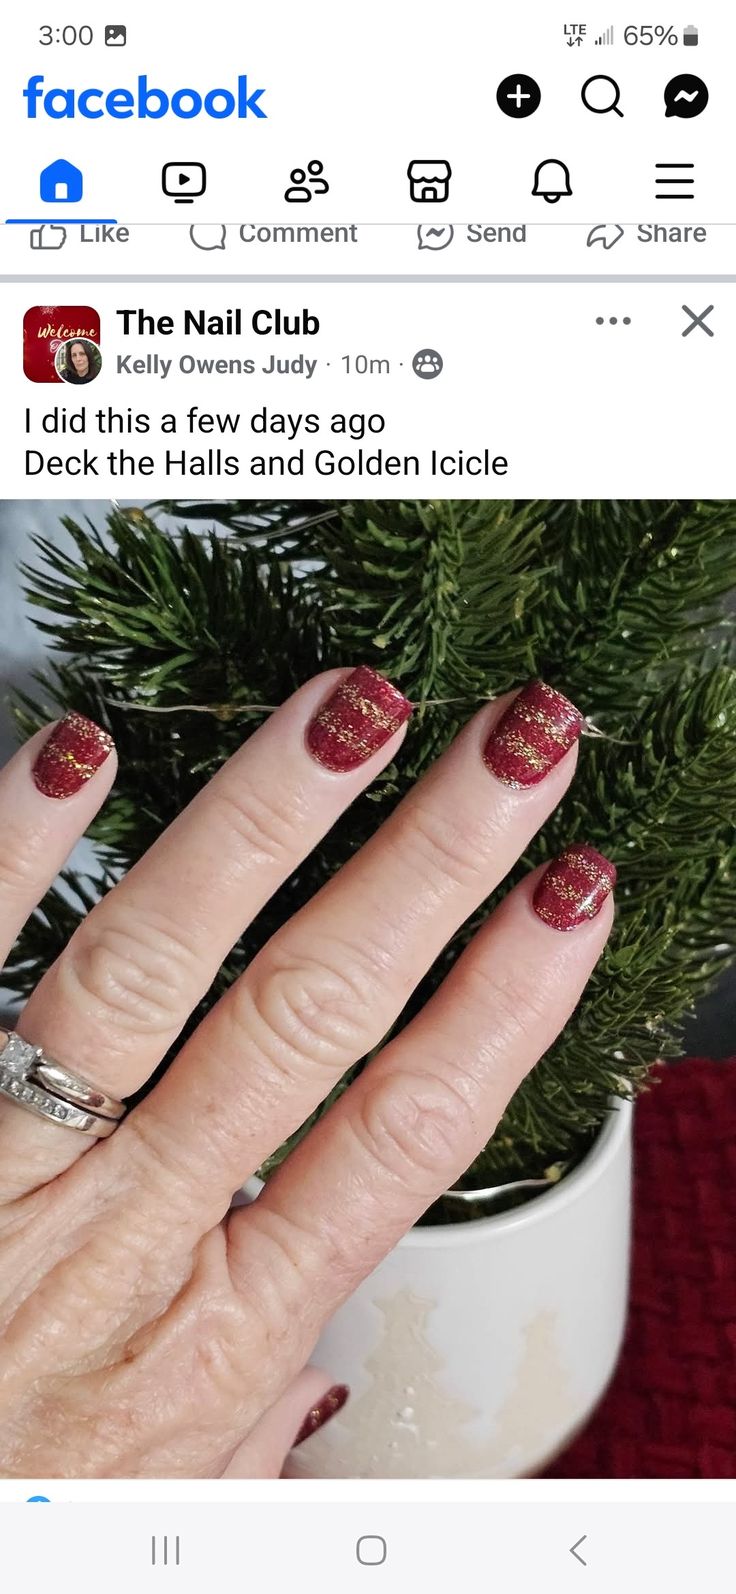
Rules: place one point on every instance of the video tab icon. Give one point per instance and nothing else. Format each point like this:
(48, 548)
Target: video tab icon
(184, 181)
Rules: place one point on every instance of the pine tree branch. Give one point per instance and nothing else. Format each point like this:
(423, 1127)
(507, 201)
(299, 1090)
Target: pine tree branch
(180, 642)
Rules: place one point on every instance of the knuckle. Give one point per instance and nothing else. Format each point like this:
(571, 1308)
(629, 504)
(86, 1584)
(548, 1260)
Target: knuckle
(517, 1002)
(308, 1008)
(79, 1302)
(443, 847)
(134, 968)
(99, 1281)
(258, 828)
(413, 1127)
(282, 1258)
(23, 859)
(218, 1370)
(152, 1164)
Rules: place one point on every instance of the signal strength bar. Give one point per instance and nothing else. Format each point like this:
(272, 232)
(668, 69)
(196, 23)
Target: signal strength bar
(605, 38)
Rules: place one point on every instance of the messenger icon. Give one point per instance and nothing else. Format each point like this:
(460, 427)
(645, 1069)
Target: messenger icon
(434, 235)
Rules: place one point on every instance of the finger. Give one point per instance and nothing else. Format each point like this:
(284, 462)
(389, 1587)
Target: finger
(327, 988)
(116, 999)
(311, 1400)
(50, 792)
(420, 1113)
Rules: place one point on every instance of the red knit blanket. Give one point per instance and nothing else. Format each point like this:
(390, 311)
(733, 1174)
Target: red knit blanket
(670, 1411)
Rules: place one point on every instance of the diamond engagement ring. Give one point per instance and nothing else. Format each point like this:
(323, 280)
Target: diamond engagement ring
(45, 1087)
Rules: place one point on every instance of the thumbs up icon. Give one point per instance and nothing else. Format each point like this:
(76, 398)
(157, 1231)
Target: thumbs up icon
(48, 236)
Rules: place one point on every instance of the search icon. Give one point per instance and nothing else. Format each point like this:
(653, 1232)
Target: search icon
(601, 94)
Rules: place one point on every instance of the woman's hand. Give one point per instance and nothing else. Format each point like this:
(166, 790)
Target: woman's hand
(146, 1332)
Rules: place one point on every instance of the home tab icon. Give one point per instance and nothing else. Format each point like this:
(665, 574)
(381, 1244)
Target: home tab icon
(429, 180)
(61, 183)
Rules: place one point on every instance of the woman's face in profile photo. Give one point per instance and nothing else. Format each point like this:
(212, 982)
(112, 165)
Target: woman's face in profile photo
(79, 359)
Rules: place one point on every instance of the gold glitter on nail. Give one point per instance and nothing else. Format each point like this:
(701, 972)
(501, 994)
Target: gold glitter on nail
(574, 888)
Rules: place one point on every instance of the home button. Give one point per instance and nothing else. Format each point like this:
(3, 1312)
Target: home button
(371, 1550)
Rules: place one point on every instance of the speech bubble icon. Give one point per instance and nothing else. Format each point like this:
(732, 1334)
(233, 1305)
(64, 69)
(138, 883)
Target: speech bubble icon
(685, 96)
(208, 235)
(434, 235)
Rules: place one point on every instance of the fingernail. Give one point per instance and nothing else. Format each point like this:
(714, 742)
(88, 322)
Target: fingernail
(75, 749)
(333, 1401)
(356, 720)
(536, 731)
(574, 888)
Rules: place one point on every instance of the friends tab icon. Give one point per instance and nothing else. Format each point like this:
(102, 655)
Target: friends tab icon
(304, 185)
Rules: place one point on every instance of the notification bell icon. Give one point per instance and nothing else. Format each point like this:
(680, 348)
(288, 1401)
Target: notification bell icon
(552, 181)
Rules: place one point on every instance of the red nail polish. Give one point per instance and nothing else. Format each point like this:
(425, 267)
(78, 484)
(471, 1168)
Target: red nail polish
(333, 1401)
(574, 888)
(532, 736)
(75, 749)
(356, 720)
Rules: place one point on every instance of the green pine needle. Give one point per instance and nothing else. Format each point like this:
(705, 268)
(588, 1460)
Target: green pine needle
(623, 605)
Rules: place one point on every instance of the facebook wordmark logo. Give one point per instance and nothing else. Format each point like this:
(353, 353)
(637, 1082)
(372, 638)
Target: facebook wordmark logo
(144, 102)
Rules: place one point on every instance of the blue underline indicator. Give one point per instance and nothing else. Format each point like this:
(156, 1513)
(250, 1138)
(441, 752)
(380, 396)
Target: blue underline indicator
(61, 221)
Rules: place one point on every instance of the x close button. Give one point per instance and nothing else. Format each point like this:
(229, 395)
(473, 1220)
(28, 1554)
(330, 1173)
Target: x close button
(698, 319)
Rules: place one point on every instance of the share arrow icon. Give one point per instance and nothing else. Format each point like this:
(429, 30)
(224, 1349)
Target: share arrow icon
(607, 233)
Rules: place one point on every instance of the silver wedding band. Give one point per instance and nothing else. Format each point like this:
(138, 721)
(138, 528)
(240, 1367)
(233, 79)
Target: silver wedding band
(51, 1091)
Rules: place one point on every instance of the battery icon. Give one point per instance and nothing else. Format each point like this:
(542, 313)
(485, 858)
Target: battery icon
(690, 36)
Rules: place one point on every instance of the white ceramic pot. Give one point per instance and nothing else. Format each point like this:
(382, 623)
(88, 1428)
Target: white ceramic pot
(476, 1350)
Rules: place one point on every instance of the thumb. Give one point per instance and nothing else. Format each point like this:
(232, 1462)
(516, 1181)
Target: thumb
(308, 1403)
